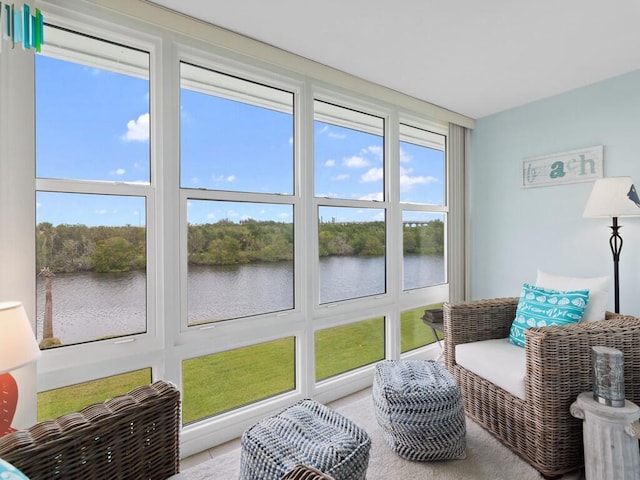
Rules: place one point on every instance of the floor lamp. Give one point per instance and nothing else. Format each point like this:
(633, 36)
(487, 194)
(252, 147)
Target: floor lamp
(613, 197)
(18, 347)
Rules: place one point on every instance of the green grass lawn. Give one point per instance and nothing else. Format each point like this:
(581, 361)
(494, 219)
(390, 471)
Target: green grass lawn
(222, 381)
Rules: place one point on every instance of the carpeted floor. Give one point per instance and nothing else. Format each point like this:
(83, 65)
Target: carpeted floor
(486, 457)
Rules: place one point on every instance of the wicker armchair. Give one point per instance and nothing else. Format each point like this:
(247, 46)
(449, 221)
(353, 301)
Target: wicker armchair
(133, 437)
(540, 429)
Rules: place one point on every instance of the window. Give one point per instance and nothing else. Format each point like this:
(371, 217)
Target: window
(73, 398)
(351, 244)
(93, 186)
(239, 251)
(347, 347)
(349, 153)
(205, 209)
(422, 196)
(422, 249)
(422, 166)
(349, 180)
(236, 135)
(413, 332)
(216, 383)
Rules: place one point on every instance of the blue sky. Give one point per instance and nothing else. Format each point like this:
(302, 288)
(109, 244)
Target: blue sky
(93, 125)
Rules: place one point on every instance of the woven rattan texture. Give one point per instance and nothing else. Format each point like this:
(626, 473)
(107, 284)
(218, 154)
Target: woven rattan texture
(309, 433)
(419, 408)
(130, 437)
(558, 368)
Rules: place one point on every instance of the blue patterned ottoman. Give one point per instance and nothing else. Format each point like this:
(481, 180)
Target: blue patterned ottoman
(305, 432)
(419, 407)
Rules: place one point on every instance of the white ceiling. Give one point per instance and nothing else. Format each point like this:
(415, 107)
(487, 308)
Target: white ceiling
(475, 57)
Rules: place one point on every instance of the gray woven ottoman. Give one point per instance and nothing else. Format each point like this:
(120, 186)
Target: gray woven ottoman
(309, 433)
(419, 407)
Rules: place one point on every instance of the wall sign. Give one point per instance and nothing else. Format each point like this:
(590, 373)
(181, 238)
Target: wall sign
(580, 165)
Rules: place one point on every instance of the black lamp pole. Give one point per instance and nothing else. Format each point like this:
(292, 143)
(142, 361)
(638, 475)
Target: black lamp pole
(615, 242)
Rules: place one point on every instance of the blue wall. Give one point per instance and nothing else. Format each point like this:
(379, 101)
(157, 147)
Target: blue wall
(513, 230)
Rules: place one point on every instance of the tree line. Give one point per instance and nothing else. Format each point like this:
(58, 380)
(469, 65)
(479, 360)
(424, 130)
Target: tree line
(74, 248)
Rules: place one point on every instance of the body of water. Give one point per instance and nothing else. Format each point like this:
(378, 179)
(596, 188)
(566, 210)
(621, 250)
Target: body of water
(89, 306)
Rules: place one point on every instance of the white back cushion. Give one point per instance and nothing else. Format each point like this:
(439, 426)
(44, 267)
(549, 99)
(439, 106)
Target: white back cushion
(598, 291)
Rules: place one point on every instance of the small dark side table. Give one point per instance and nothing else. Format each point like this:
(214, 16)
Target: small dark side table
(432, 318)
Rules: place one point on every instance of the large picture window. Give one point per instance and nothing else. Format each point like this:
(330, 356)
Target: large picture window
(191, 205)
(93, 176)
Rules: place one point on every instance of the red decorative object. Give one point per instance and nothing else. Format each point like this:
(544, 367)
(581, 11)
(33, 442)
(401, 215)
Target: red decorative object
(8, 402)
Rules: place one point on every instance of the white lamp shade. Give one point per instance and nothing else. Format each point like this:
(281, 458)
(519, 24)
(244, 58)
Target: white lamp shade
(613, 197)
(18, 344)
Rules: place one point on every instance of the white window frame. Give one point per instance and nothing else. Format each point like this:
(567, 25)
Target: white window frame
(170, 38)
(101, 358)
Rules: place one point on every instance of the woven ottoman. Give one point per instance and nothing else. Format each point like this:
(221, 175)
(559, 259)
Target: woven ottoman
(309, 433)
(419, 407)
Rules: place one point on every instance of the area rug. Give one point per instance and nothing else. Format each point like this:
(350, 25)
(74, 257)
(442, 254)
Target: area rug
(486, 457)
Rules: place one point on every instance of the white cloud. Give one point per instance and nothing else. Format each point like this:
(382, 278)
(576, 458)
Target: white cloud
(102, 211)
(372, 197)
(343, 176)
(407, 181)
(405, 157)
(118, 172)
(374, 150)
(373, 175)
(222, 178)
(330, 163)
(330, 133)
(328, 195)
(283, 215)
(93, 71)
(355, 162)
(138, 130)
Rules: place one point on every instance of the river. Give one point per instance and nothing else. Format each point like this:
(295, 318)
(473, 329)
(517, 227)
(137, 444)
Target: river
(88, 306)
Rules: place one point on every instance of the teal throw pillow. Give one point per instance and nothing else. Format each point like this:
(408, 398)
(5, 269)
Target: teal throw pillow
(9, 472)
(541, 307)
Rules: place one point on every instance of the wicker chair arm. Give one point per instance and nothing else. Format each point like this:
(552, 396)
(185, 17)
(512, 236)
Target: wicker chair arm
(473, 321)
(131, 436)
(558, 360)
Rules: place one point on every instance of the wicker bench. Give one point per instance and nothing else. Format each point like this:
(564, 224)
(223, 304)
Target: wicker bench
(308, 433)
(418, 405)
(133, 437)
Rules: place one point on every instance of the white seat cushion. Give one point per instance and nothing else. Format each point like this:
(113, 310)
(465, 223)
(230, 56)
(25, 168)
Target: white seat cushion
(498, 361)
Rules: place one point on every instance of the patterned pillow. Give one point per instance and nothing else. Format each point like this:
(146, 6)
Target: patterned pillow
(540, 307)
(9, 472)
